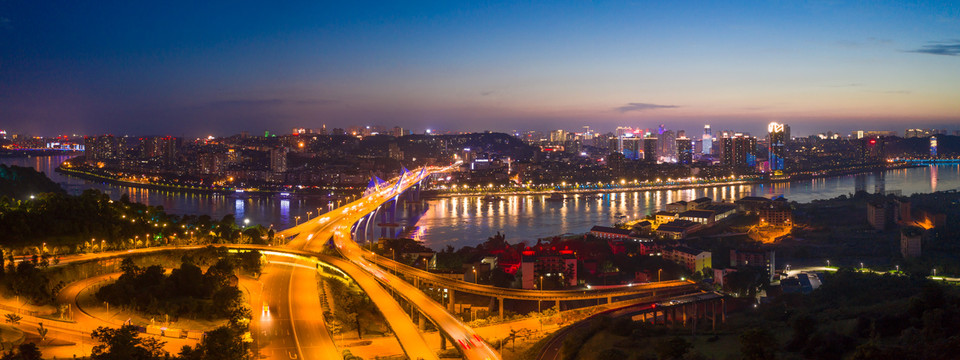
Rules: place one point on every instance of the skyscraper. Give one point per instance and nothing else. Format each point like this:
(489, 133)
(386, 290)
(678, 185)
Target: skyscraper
(157, 147)
(558, 136)
(650, 149)
(777, 149)
(707, 140)
(101, 148)
(278, 160)
(684, 151)
(667, 141)
(738, 150)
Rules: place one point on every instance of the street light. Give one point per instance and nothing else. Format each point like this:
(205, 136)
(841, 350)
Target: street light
(475, 279)
(539, 301)
(246, 222)
(297, 220)
(658, 274)
(828, 262)
(861, 266)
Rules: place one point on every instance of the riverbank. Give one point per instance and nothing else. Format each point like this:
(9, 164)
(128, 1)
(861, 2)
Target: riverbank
(39, 152)
(239, 193)
(153, 186)
(676, 185)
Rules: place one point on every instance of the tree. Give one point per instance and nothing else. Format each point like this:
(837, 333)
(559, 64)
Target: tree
(125, 344)
(227, 300)
(42, 331)
(223, 343)
(14, 319)
(30, 283)
(803, 326)
(613, 354)
(673, 349)
(27, 351)
(757, 344)
(250, 262)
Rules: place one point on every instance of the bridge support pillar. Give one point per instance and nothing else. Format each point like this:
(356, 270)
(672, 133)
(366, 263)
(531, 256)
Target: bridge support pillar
(558, 305)
(713, 314)
(723, 312)
(453, 302)
(421, 321)
(443, 340)
(609, 300)
(683, 311)
(696, 317)
(500, 303)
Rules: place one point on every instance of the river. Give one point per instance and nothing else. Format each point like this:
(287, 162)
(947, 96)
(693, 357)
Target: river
(462, 221)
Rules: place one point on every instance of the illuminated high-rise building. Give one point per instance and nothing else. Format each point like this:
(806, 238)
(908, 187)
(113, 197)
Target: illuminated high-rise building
(777, 149)
(933, 146)
(558, 136)
(667, 141)
(684, 151)
(707, 142)
(163, 148)
(650, 149)
(738, 150)
(278, 160)
(630, 146)
(102, 148)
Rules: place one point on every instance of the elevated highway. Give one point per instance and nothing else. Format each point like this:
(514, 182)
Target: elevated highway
(373, 274)
(313, 233)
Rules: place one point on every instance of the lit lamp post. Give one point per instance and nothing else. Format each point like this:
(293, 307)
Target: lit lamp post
(246, 222)
(539, 301)
(310, 213)
(861, 266)
(828, 262)
(297, 222)
(475, 280)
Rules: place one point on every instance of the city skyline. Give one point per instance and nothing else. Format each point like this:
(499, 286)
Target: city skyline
(139, 69)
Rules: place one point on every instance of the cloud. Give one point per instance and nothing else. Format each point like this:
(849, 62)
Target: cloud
(642, 107)
(486, 93)
(948, 48)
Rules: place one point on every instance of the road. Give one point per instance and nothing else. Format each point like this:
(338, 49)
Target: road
(470, 344)
(288, 319)
(551, 351)
(293, 327)
(526, 294)
(85, 322)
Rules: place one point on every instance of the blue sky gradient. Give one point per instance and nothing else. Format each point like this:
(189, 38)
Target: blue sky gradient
(188, 68)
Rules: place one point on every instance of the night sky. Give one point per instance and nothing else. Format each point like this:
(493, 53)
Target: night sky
(199, 67)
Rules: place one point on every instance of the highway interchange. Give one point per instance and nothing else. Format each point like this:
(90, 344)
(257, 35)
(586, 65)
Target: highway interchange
(288, 318)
